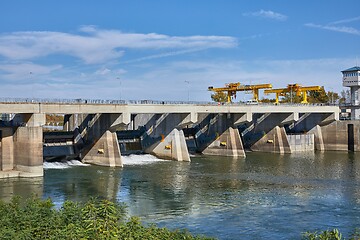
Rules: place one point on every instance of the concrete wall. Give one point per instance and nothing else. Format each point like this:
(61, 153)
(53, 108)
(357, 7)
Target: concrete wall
(6, 149)
(335, 136)
(301, 142)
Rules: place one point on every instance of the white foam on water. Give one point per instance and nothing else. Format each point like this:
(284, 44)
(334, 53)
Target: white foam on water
(63, 165)
(127, 160)
(77, 163)
(140, 159)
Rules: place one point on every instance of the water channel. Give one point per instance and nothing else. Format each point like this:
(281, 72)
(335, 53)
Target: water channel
(262, 196)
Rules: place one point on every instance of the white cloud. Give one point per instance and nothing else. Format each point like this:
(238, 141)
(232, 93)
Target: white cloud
(332, 26)
(94, 45)
(166, 54)
(166, 81)
(343, 29)
(26, 71)
(346, 20)
(103, 71)
(267, 14)
(201, 74)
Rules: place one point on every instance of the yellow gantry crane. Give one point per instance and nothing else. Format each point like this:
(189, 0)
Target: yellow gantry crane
(232, 88)
(297, 89)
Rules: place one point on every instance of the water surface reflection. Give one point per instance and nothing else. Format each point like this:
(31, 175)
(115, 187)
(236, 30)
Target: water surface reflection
(260, 196)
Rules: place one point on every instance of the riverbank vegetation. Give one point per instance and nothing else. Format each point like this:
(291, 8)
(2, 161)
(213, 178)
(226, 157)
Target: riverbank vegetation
(96, 219)
(329, 235)
(35, 218)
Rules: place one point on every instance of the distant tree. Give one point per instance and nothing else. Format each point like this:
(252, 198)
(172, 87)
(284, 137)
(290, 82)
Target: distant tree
(267, 100)
(333, 97)
(318, 96)
(219, 97)
(291, 98)
(344, 95)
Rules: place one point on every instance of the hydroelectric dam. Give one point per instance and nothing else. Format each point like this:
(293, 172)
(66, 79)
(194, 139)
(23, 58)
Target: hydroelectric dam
(93, 130)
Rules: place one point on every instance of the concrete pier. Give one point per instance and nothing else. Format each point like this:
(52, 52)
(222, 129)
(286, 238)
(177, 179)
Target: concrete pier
(22, 147)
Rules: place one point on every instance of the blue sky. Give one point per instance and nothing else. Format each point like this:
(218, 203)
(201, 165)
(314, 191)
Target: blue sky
(172, 50)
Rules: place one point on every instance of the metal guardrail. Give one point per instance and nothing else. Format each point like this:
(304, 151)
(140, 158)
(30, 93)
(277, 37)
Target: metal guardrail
(153, 102)
(344, 105)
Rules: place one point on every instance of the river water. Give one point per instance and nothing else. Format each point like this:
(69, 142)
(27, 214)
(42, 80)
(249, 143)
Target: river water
(262, 196)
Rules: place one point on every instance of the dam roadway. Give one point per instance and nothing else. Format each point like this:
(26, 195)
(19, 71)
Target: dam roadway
(91, 108)
(166, 129)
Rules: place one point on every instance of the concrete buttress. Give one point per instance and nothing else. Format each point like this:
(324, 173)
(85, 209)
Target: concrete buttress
(173, 146)
(100, 145)
(275, 141)
(266, 133)
(164, 136)
(217, 135)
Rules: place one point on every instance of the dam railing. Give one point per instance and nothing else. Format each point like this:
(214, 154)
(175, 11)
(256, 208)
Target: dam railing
(126, 102)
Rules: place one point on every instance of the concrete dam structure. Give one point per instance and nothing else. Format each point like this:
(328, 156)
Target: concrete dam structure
(92, 131)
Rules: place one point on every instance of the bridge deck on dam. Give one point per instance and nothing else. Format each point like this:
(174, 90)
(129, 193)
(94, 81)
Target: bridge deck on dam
(158, 107)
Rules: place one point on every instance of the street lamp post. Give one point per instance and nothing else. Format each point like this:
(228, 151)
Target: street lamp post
(120, 86)
(188, 83)
(32, 86)
(332, 95)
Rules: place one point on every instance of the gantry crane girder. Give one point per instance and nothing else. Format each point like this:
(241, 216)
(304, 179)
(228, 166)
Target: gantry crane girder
(295, 88)
(232, 88)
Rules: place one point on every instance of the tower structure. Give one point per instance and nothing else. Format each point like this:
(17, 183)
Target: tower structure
(351, 78)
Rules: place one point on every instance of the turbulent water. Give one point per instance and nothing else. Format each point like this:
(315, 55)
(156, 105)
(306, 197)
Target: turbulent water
(262, 196)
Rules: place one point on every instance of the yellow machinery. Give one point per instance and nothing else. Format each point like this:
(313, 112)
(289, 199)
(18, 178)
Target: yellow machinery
(293, 88)
(232, 88)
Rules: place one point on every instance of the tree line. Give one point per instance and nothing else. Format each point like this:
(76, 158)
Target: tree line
(321, 96)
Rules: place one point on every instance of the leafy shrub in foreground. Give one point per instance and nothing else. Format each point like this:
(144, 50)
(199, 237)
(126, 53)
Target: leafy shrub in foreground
(95, 219)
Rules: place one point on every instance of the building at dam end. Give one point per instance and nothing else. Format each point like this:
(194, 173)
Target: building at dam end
(351, 78)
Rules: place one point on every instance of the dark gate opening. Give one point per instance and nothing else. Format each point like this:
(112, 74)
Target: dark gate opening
(351, 144)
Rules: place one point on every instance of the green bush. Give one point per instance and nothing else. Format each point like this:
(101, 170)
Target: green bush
(95, 219)
(329, 235)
